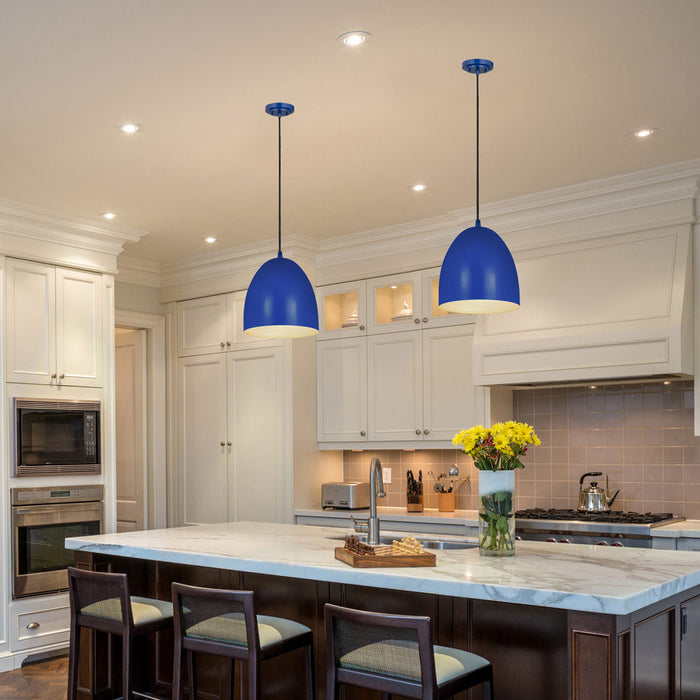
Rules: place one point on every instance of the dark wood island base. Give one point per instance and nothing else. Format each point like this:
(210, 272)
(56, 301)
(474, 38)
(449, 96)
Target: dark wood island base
(537, 653)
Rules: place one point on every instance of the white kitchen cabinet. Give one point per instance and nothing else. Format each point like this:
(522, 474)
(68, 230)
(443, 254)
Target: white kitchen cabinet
(341, 407)
(39, 622)
(418, 388)
(394, 386)
(342, 310)
(54, 325)
(214, 325)
(231, 414)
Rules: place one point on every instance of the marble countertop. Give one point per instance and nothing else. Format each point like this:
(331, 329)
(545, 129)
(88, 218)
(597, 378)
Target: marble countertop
(573, 577)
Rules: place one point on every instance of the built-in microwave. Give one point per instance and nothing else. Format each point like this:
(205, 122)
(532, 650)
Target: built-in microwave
(56, 437)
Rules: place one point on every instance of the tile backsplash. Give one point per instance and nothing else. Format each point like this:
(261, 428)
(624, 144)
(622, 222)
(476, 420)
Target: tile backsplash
(640, 434)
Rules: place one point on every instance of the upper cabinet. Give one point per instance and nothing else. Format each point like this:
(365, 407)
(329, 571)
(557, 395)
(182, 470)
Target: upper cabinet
(390, 304)
(54, 325)
(214, 324)
(611, 307)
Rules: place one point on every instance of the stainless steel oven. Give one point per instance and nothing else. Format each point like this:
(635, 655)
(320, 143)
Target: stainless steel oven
(42, 518)
(56, 437)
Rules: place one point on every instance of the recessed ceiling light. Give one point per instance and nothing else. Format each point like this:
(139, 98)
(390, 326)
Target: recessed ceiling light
(354, 38)
(210, 239)
(645, 133)
(419, 187)
(129, 127)
(592, 386)
(108, 215)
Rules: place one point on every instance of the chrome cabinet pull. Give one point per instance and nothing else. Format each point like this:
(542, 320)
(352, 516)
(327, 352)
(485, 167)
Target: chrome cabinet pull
(416, 320)
(362, 328)
(63, 376)
(228, 443)
(228, 343)
(426, 432)
(33, 626)
(417, 431)
(222, 443)
(54, 375)
(222, 344)
(363, 433)
(425, 319)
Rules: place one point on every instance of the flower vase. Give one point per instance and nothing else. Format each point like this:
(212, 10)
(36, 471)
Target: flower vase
(496, 517)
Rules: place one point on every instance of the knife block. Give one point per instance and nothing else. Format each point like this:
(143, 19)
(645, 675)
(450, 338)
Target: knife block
(416, 506)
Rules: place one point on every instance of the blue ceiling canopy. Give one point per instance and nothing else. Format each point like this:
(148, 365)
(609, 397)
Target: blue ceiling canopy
(280, 301)
(478, 274)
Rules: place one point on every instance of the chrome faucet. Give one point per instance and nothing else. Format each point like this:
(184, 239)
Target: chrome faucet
(376, 490)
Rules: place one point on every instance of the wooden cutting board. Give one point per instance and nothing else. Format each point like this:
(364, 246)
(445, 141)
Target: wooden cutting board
(375, 561)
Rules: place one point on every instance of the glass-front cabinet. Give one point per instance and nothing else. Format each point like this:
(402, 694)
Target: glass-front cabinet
(390, 304)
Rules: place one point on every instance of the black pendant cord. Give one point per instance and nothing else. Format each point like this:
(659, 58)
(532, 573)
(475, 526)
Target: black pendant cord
(477, 148)
(279, 186)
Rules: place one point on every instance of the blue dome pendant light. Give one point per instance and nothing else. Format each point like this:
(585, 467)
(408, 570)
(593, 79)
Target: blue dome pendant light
(478, 274)
(280, 301)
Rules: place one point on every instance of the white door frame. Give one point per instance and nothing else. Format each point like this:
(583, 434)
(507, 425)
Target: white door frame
(156, 474)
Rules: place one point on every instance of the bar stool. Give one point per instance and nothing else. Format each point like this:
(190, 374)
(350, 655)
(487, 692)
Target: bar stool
(224, 623)
(395, 654)
(101, 601)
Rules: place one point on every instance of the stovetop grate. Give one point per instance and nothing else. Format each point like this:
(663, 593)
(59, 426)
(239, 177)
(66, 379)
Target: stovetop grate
(610, 517)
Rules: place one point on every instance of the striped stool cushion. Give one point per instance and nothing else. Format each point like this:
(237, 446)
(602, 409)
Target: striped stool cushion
(230, 629)
(143, 610)
(399, 659)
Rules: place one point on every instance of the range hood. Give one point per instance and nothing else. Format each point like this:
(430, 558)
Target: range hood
(616, 308)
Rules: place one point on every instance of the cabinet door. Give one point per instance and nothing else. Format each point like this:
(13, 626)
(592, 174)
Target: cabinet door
(201, 326)
(31, 322)
(256, 419)
(449, 395)
(395, 393)
(690, 643)
(341, 386)
(342, 310)
(78, 328)
(202, 449)
(394, 303)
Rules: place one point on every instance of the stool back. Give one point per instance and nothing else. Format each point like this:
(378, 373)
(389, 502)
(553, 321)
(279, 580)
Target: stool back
(393, 653)
(207, 617)
(99, 600)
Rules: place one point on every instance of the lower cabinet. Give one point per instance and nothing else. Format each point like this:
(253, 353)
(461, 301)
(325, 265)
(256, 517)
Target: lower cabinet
(411, 387)
(231, 431)
(39, 622)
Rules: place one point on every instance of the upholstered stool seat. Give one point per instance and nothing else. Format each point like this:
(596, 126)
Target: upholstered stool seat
(224, 623)
(395, 654)
(101, 602)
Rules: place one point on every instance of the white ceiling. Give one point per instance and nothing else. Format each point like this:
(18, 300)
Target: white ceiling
(572, 80)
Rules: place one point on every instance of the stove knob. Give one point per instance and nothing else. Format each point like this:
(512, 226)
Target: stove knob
(518, 537)
(603, 543)
(565, 541)
(550, 539)
(617, 544)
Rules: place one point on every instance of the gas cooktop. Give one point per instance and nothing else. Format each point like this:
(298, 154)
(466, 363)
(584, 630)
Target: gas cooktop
(609, 517)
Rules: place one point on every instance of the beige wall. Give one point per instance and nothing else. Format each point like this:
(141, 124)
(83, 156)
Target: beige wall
(137, 297)
(640, 434)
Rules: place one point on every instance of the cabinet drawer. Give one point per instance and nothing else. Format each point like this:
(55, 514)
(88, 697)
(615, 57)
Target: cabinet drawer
(40, 627)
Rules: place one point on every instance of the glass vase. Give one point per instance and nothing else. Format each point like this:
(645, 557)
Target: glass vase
(496, 516)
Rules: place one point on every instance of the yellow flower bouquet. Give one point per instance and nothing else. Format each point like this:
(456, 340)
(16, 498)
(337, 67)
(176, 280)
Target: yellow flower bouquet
(496, 452)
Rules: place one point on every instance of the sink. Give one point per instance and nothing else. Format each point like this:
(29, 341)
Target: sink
(428, 544)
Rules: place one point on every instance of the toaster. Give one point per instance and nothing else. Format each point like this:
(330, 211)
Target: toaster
(345, 494)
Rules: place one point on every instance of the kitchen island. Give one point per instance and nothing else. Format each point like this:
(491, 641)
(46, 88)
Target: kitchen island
(556, 621)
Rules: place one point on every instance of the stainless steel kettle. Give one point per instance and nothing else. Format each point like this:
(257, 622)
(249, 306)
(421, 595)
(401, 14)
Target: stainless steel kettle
(594, 499)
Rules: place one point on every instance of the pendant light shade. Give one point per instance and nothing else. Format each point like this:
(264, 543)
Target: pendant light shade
(280, 301)
(478, 274)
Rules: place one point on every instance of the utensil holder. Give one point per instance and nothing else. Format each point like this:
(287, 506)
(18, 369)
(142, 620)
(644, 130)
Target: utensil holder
(446, 502)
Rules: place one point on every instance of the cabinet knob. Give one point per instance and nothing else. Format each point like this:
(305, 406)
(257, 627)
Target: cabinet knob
(228, 443)
(62, 376)
(417, 431)
(426, 432)
(222, 344)
(222, 443)
(362, 328)
(416, 320)
(33, 626)
(363, 433)
(425, 319)
(54, 375)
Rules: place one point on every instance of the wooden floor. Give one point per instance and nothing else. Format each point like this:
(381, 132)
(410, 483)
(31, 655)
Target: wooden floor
(44, 680)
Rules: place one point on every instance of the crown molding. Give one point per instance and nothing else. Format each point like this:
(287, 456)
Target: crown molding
(661, 185)
(37, 223)
(137, 271)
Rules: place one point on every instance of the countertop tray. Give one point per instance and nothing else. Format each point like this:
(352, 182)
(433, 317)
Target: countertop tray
(376, 561)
